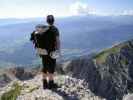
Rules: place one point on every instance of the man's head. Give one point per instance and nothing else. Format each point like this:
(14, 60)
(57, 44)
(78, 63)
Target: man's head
(50, 19)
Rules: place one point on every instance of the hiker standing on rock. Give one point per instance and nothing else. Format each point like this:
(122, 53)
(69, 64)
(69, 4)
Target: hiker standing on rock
(47, 43)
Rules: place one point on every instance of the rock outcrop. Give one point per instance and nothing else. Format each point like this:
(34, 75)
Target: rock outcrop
(23, 73)
(109, 73)
(4, 80)
(7, 75)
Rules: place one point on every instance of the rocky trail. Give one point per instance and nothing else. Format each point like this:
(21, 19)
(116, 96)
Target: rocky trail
(70, 89)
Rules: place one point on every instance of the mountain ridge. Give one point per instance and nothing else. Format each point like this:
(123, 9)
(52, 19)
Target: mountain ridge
(110, 69)
(110, 78)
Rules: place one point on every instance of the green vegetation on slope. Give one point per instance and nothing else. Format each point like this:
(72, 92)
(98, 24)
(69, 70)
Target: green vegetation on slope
(13, 93)
(101, 57)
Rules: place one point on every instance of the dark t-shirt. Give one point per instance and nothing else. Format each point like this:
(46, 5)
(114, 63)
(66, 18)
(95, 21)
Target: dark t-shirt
(47, 40)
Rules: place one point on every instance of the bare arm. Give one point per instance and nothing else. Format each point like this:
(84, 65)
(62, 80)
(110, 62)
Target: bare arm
(58, 44)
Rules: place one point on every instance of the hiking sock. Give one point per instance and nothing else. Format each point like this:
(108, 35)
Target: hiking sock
(52, 85)
(45, 84)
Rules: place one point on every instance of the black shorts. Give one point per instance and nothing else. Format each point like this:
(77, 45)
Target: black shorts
(49, 64)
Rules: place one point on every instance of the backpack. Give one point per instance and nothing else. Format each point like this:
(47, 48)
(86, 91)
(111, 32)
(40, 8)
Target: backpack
(37, 37)
(44, 42)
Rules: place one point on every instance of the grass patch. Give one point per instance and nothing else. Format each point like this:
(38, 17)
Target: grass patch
(101, 57)
(124, 62)
(13, 93)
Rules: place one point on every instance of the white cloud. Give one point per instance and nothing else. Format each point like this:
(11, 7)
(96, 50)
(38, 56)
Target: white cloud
(79, 8)
(127, 12)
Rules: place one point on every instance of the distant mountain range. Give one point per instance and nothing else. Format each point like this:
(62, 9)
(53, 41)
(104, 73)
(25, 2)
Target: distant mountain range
(80, 35)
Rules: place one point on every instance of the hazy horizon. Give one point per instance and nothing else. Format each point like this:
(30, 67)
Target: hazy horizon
(62, 16)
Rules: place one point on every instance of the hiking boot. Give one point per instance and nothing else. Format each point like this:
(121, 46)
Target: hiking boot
(52, 85)
(45, 84)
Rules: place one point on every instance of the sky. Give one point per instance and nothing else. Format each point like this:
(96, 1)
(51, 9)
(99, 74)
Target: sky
(63, 8)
